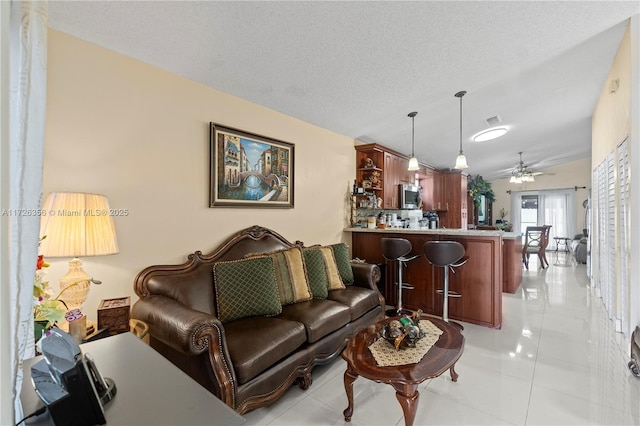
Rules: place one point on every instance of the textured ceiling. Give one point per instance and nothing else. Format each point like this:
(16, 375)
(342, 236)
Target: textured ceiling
(358, 68)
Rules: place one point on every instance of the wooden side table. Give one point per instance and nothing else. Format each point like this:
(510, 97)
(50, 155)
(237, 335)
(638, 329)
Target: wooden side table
(405, 379)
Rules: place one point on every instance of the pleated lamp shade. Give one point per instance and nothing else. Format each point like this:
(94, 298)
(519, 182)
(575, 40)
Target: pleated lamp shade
(77, 225)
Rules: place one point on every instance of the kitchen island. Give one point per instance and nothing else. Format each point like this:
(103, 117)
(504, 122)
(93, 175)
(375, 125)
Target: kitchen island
(493, 265)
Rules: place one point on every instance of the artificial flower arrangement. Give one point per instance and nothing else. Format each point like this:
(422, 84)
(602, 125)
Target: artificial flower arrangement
(46, 311)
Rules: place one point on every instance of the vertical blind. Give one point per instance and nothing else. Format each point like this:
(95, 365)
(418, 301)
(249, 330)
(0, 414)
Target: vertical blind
(610, 248)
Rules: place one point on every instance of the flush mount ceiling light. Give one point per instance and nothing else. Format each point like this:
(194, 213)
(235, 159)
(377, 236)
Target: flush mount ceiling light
(413, 161)
(490, 134)
(461, 160)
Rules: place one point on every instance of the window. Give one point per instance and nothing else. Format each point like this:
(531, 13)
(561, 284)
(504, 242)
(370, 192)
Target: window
(528, 212)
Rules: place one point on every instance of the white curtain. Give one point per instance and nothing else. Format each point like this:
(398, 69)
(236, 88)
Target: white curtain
(558, 209)
(27, 100)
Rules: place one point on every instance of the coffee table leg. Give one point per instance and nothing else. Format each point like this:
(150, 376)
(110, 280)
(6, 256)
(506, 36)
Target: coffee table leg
(407, 396)
(350, 376)
(454, 375)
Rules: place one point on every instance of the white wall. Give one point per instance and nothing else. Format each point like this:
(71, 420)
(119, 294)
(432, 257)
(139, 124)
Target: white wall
(140, 136)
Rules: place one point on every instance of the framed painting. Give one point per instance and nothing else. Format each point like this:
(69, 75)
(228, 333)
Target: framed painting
(249, 170)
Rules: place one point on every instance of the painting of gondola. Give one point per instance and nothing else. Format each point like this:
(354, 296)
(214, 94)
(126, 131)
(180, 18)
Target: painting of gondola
(249, 170)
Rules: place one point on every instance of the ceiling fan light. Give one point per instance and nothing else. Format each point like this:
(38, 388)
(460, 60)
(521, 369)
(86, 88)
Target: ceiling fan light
(413, 164)
(490, 134)
(513, 179)
(461, 162)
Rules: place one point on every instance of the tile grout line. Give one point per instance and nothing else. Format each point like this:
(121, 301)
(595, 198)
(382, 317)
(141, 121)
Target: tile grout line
(535, 364)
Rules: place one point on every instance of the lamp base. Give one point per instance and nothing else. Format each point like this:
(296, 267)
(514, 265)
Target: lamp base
(74, 285)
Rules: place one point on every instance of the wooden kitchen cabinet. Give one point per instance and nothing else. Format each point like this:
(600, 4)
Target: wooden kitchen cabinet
(405, 176)
(392, 167)
(439, 199)
(366, 175)
(443, 191)
(454, 196)
(426, 182)
(392, 179)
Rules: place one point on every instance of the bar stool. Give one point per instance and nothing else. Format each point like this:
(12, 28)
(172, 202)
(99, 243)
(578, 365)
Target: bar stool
(397, 249)
(446, 254)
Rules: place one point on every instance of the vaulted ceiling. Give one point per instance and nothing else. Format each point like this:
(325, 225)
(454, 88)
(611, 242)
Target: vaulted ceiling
(358, 68)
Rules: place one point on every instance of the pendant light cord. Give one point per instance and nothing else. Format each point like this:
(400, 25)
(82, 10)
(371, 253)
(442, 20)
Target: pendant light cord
(413, 136)
(460, 124)
(460, 95)
(413, 132)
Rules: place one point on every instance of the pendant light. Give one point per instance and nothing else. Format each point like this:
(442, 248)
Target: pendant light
(461, 160)
(413, 161)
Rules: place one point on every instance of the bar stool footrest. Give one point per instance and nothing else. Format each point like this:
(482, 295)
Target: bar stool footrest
(451, 293)
(406, 286)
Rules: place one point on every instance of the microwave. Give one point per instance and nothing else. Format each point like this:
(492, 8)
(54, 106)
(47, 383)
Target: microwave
(409, 196)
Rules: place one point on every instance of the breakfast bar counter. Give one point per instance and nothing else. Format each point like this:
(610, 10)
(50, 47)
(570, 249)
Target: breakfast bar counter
(493, 265)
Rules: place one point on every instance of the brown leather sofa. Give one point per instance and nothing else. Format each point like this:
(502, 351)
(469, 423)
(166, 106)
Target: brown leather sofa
(249, 362)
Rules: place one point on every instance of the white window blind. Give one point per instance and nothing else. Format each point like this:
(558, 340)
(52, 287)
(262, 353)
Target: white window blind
(624, 243)
(603, 248)
(612, 297)
(595, 230)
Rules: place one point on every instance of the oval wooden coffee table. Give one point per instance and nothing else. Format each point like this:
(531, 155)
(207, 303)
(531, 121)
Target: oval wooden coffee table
(405, 379)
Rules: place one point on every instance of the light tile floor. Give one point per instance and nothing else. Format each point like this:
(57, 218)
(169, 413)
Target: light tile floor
(556, 361)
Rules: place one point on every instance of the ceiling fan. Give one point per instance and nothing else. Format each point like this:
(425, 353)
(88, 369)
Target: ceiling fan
(521, 173)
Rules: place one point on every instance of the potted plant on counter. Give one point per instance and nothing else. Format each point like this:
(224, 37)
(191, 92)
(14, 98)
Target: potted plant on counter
(478, 187)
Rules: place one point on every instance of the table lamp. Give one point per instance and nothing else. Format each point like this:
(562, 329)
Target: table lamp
(75, 225)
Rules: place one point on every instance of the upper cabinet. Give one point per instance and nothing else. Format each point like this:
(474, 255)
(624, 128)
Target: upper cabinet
(380, 171)
(392, 168)
(404, 175)
(370, 169)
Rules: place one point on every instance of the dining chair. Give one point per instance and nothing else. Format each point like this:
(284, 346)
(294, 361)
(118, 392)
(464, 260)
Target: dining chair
(547, 233)
(535, 243)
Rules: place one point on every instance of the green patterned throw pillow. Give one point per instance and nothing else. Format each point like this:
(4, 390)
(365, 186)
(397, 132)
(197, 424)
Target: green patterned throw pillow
(341, 253)
(245, 288)
(314, 262)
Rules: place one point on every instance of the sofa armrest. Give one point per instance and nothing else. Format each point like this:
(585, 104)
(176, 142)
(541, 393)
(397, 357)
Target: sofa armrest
(366, 275)
(190, 332)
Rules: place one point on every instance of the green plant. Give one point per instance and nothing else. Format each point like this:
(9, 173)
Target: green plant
(478, 187)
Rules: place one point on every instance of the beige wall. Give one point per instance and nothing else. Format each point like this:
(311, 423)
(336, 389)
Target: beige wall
(615, 118)
(140, 136)
(611, 121)
(569, 175)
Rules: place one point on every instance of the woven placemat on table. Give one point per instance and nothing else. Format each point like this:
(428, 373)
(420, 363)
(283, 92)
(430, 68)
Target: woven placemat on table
(386, 354)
